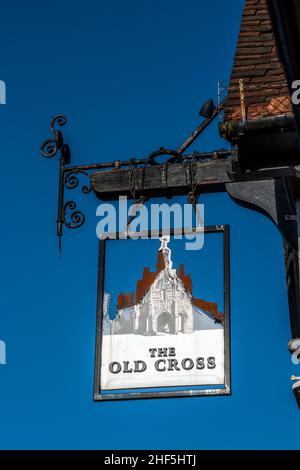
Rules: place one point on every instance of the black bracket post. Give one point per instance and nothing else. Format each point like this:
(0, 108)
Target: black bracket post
(49, 149)
(67, 178)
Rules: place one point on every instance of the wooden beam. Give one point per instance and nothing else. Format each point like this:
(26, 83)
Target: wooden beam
(175, 179)
(158, 180)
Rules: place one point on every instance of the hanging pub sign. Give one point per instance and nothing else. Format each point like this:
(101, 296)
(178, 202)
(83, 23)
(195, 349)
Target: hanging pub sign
(163, 316)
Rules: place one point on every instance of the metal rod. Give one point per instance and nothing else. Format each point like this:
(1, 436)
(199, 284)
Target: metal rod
(102, 166)
(223, 153)
(199, 130)
(60, 215)
(242, 100)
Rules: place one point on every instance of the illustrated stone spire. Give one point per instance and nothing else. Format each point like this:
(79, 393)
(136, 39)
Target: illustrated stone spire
(166, 251)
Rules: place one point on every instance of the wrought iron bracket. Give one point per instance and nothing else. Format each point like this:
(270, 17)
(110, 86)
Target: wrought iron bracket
(68, 214)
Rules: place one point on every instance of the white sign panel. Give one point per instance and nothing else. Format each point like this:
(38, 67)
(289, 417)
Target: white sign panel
(172, 360)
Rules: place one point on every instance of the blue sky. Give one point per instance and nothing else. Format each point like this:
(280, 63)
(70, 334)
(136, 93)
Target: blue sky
(131, 77)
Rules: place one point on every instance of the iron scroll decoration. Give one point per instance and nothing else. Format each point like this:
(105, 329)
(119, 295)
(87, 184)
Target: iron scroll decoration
(70, 216)
(51, 146)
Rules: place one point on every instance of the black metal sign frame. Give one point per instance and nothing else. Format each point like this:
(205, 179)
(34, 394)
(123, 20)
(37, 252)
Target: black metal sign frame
(226, 389)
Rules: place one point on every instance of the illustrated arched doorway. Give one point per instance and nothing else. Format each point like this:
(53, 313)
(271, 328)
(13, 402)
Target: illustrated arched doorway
(165, 323)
